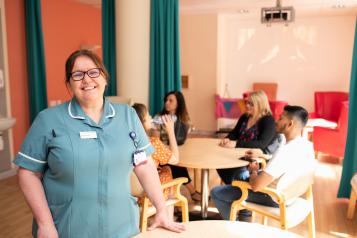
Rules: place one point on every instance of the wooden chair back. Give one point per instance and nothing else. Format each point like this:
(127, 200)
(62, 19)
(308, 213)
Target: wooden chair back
(119, 99)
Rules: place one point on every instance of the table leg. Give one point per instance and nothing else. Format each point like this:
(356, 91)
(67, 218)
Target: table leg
(204, 192)
(196, 182)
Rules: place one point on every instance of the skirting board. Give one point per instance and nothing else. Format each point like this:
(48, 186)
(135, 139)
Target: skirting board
(8, 173)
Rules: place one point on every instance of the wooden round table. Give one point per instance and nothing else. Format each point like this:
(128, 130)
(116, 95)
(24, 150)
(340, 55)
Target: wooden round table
(226, 229)
(206, 154)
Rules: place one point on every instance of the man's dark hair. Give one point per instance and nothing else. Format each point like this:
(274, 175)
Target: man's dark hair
(298, 113)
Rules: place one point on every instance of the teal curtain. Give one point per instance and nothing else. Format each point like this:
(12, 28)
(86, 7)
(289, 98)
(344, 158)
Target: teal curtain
(350, 159)
(165, 73)
(36, 69)
(109, 49)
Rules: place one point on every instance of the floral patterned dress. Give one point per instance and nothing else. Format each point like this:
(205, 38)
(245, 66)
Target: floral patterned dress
(161, 157)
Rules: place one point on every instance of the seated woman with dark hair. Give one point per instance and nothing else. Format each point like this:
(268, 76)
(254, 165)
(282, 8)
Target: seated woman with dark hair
(175, 105)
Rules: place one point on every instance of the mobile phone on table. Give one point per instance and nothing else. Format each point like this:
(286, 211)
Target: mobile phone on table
(249, 159)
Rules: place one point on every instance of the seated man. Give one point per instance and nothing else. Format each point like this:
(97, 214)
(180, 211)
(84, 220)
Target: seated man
(291, 159)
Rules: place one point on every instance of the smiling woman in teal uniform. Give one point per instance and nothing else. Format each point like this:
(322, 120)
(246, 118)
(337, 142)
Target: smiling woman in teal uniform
(76, 161)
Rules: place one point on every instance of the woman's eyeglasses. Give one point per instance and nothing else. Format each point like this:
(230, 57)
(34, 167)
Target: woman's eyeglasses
(249, 103)
(92, 73)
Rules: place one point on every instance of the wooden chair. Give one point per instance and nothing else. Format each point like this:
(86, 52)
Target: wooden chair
(353, 197)
(288, 215)
(147, 210)
(119, 99)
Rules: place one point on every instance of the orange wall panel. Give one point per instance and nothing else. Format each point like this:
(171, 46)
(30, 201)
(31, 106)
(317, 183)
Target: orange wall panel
(16, 47)
(67, 25)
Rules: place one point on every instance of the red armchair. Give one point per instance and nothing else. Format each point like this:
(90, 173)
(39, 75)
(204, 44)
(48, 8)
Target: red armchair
(333, 141)
(277, 107)
(328, 105)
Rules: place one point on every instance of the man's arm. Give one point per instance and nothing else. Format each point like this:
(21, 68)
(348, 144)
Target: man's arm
(258, 182)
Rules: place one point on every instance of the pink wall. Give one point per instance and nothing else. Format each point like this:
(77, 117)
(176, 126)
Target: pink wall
(66, 26)
(311, 54)
(16, 44)
(198, 41)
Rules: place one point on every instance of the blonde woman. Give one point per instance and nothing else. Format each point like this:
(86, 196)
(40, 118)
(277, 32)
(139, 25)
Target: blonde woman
(254, 129)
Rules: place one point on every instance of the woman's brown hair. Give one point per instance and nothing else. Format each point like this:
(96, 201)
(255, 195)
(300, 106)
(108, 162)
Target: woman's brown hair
(181, 110)
(141, 110)
(87, 53)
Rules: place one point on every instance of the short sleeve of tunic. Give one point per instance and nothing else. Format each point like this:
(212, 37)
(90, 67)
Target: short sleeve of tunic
(162, 153)
(32, 155)
(141, 137)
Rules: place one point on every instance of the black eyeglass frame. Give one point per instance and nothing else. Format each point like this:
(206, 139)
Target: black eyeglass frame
(85, 73)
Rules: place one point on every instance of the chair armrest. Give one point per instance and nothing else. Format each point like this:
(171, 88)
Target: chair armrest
(174, 182)
(312, 115)
(320, 128)
(177, 182)
(262, 162)
(244, 186)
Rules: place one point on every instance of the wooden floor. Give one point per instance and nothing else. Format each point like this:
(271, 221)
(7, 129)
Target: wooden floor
(330, 212)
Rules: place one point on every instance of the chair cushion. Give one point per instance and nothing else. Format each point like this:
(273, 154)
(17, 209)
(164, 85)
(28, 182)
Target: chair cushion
(295, 213)
(354, 182)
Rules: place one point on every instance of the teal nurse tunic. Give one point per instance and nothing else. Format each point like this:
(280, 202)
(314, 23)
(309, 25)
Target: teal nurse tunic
(86, 168)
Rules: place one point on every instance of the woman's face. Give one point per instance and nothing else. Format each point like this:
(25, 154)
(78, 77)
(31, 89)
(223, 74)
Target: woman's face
(90, 88)
(250, 106)
(171, 104)
(147, 122)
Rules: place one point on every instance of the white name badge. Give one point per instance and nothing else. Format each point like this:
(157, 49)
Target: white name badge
(139, 157)
(88, 135)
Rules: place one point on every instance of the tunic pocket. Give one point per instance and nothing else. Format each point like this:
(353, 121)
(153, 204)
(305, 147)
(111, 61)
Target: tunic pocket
(61, 215)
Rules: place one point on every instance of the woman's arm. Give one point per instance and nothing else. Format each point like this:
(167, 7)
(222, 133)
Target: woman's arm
(169, 127)
(266, 133)
(234, 134)
(31, 186)
(149, 179)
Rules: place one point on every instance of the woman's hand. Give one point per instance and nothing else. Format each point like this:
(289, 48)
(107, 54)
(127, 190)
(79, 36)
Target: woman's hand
(168, 124)
(223, 142)
(253, 166)
(227, 143)
(254, 153)
(163, 220)
(47, 231)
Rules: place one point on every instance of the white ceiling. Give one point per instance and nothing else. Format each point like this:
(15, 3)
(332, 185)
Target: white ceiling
(302, 7)
(252, 7)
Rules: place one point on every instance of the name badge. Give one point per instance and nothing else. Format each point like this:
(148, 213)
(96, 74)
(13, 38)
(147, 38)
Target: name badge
(139, 157)
(88, 135)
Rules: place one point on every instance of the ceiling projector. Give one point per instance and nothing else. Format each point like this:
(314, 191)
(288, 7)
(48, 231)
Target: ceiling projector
(277, 14)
